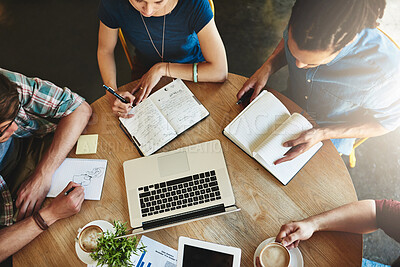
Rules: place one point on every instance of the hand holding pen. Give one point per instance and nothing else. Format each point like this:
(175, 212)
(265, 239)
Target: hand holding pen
(122, 104)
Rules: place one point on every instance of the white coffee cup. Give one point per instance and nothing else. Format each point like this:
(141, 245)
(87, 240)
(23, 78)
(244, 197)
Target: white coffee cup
(275, 254)
(87, 238)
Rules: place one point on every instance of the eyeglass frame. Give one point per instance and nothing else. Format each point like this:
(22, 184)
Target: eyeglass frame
(13, 120)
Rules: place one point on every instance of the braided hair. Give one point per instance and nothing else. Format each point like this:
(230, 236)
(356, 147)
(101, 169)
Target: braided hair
(9, 99)
(331, 24)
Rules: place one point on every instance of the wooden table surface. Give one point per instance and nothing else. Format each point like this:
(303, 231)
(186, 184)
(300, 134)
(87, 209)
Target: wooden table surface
(324, 183)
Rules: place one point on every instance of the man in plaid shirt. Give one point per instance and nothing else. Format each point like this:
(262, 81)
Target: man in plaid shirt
(39, 125)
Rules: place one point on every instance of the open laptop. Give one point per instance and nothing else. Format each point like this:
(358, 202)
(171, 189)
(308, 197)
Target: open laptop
(171, 188)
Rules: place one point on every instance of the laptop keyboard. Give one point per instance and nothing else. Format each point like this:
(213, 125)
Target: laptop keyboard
(179, 193)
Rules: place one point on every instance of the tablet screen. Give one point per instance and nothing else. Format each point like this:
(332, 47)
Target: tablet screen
(200, 257)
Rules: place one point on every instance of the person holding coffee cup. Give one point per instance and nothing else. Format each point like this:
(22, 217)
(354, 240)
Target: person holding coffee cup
(359, 217)
(15, 237)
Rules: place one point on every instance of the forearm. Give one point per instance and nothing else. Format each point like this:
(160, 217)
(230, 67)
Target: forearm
(108, 70)
(358, 130)
(276, 61)
(206, 71)
(357, 217)
(15, 237)
(67, 133)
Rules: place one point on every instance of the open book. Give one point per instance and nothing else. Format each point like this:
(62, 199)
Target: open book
(261, 129)
(163, 116)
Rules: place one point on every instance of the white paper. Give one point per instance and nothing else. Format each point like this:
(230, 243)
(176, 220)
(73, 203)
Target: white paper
(179, 106)
(156, 255)
(271, 149)
(89, 173)
(257, 121)
(149, 127)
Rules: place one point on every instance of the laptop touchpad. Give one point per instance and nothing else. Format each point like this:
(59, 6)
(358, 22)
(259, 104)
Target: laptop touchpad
(173, 164)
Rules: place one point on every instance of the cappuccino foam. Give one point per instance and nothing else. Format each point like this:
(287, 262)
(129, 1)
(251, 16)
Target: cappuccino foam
(275, 255)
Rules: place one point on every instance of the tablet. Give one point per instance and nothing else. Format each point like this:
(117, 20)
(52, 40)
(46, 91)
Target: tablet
(196, 253)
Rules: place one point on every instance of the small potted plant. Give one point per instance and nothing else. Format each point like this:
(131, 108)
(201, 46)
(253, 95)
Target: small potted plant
(113, 251)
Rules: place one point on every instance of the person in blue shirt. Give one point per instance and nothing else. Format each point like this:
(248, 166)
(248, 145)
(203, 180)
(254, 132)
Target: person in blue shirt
(173, 38)
(343, 71)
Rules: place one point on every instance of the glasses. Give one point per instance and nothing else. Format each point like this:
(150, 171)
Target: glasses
(8, 125)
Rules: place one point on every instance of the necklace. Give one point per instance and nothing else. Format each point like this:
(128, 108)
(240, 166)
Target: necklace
(151, 39)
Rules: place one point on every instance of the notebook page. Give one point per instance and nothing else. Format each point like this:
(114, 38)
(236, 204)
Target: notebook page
(148, 127)
(271, 148)
(179, 106)
(257, 121)
(89, 173)
(285, 171)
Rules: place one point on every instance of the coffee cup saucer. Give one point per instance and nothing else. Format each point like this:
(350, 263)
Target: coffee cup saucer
(295, 253)
(85, 256)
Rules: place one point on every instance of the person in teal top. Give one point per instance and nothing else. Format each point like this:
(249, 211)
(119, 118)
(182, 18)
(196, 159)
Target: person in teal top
(174, 38)
(343, 71)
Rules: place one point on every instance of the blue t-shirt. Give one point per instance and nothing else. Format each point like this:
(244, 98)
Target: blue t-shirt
(360, 84)
(181, 44)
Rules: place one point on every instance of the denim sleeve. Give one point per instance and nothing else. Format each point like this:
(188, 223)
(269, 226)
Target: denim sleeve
(383, 102)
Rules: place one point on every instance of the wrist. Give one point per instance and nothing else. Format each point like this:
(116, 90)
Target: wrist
(48, 216)
(161, 69)
(267, 68)
(323, 133)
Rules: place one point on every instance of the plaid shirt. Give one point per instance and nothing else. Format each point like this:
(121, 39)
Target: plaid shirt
(40, 100)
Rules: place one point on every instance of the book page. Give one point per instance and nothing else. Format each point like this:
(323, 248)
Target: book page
(148, 127)
(257, 121)
(271, 148)
(179, 106)
(89, 173)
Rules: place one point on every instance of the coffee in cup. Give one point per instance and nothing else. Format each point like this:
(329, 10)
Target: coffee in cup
(275, 254)
(88, 238)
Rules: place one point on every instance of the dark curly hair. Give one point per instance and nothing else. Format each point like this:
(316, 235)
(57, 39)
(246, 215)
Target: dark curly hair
(9, 99)
(331, 24)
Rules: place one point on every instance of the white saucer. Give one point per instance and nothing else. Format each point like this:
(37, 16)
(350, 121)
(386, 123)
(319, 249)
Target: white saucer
(295, 254)
(84, 256)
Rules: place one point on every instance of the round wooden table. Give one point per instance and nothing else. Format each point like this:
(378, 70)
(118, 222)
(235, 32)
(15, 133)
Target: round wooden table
(324, 183)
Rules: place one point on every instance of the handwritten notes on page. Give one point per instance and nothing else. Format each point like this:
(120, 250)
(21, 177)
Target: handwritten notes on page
(179, 106)
(148, 127)
(89, 173)
(163, 116)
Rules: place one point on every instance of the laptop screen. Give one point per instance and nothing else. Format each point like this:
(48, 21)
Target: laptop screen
(200, 257)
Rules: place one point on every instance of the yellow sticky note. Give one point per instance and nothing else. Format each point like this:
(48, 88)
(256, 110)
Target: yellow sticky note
(87, 144)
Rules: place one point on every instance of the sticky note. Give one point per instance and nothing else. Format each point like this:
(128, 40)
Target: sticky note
(87, 144)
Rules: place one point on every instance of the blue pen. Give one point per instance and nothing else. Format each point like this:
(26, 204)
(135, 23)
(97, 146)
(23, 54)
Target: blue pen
(109, 89)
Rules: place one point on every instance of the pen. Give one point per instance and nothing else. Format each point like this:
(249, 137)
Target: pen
(109, 89)
(69, 191)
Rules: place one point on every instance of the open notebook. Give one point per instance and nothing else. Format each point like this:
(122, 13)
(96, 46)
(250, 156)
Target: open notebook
(163, 116)
(261, 129)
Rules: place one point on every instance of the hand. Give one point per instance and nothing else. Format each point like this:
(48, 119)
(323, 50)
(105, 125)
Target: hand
(31, 195)
(121, 109)
(64, 206)
(291, 233)
(148, 81)
(301, 144)
(257, 82)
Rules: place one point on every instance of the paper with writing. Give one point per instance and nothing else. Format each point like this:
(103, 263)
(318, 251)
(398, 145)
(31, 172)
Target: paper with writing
(179, 106)
(149, 127)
